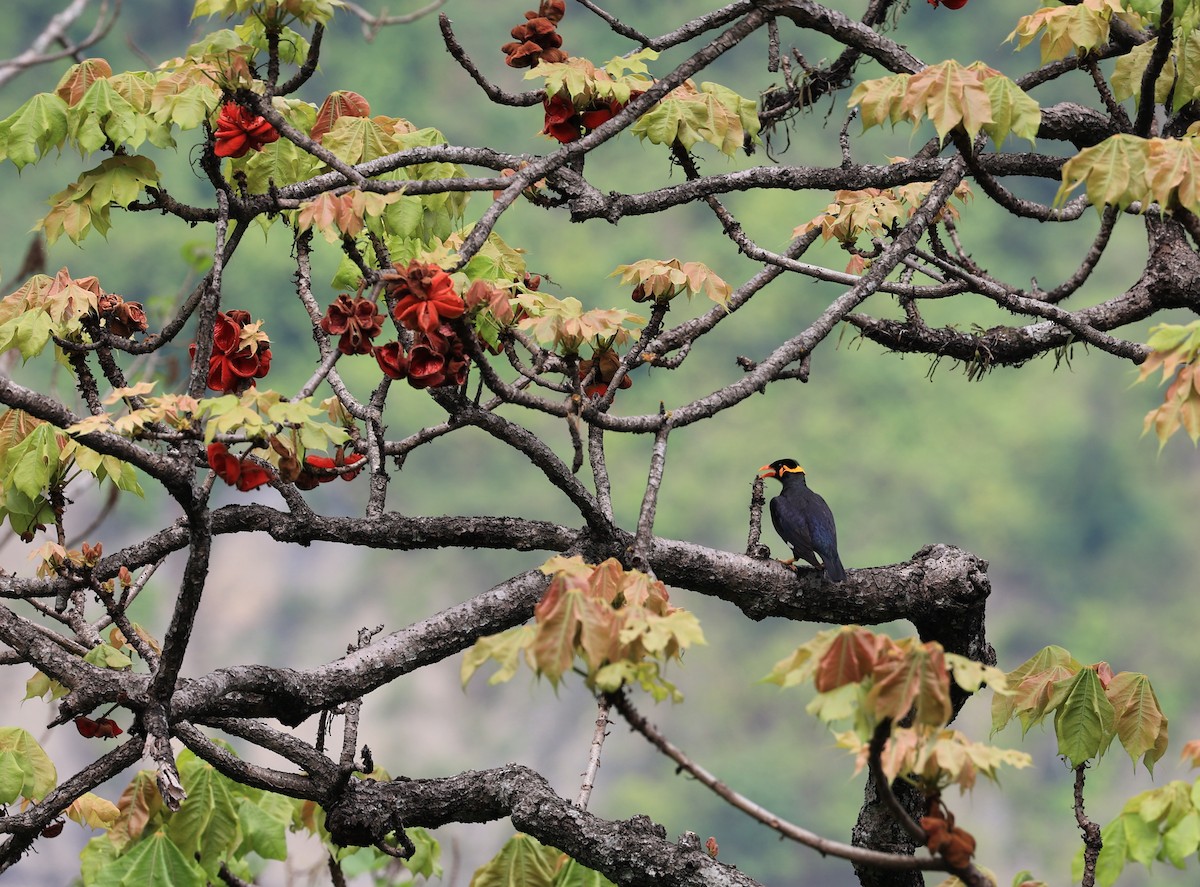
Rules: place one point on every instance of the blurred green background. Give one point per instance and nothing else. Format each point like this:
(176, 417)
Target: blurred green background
(1089, 530)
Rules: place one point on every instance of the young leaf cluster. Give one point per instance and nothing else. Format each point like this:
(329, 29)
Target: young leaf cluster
(1090, 705)
(619, 622)
(866, 678)
(1175, 348)
(524, 861)
(972, 98)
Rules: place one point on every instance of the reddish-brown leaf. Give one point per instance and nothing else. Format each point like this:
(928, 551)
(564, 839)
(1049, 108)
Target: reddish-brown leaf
(914, 676)
(79, 77)
(342, 103)
(850, 658)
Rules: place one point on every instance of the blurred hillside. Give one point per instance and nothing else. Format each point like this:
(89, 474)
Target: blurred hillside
(1089, 531)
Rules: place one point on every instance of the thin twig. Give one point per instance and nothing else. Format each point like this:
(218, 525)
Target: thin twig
(859, 855)
(593, 766)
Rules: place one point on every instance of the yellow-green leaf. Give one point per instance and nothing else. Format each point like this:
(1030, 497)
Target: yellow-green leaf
(1113, 171)
(1084, 722)
(20, 753)
(1140, 723)
(1012, 111)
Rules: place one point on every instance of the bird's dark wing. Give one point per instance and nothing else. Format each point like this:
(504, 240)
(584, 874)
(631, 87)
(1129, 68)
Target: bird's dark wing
(824, 536)
(821, 528)
(791, 524)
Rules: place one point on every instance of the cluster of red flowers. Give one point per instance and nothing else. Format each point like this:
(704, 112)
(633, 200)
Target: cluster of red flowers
(538, 39)
(424, 301)
(236, 471)
(120, 317)
(566, 123)
(239, 355)
(355, 320)
(322, 469)
(105, 728)
(239, 132)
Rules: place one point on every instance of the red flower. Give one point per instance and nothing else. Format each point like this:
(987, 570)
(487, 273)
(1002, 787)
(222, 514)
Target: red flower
(325, 467)
(227, 331)
(253, 476)
(425, 297)
(426, 368)
(432, 364)
(239, 132)
(232, 364)
(240, 472)
(600, 114)
(562, 123)
(105, 728)
(949, 4)
(355, 320)
(392, 360)
(227, 466)
(566, 123)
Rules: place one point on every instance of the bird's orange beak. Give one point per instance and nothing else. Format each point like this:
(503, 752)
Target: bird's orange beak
(767, 471)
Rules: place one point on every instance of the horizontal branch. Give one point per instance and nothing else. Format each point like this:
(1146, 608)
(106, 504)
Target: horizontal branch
(632, 853)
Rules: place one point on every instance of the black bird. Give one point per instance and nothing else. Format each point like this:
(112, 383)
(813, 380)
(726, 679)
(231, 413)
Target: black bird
(803, 519)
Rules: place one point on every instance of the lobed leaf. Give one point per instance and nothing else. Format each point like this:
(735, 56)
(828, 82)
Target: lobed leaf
(35, 127)
(1140, 723)
(1084, 721)
(26, 771)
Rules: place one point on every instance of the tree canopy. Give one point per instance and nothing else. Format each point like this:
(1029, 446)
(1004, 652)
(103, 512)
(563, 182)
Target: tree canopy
(417, 329)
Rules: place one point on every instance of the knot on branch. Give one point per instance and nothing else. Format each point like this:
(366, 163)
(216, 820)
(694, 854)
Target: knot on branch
(363, 815)
(1172, 275)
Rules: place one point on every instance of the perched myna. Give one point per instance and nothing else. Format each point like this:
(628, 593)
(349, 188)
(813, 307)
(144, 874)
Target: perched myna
(803, 519)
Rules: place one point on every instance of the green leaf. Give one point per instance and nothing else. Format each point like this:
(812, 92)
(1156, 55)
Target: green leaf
(104, 115)
(505, 648)
(837, 705)
(1187, 55)
(18, 749)
(96, 856)
(1141, 839)
(207, 824)
(1114, 172)
(1012, 111)
(1131, 67)
(1182, 840)
(41, 684)
(264, 823)
(1113, 853)
(12, 777)
(31, 465)
(574, 874)
(1084, 722)
(156, 860)
(105, 656)
(279, 163)
(28, 332)
(522, 862)
(1141, 725)
(119, 180)
(880, 100)
(424, 860)
(31, 130)
(688, 115)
